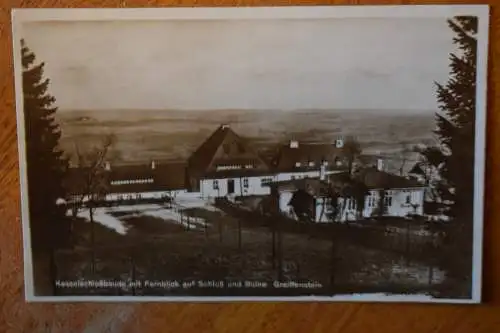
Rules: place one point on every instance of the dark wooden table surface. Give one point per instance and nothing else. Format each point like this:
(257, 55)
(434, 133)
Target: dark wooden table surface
(17, 316)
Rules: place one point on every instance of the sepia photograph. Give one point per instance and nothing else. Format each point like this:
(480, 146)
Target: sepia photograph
(231, 154)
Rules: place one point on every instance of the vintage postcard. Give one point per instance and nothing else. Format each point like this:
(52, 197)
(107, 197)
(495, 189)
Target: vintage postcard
(223, 154)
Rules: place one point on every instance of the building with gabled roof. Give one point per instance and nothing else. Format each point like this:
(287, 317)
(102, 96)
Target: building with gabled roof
(227, 164)
(386, 195)
(297, 160)
(130, 182)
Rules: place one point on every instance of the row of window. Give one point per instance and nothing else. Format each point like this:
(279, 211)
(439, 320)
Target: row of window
(246, 184)
(130, 196)
(264, 181)
(299, 177)
(132, 181)
(337, 162)
(234, 167)
(373, 201)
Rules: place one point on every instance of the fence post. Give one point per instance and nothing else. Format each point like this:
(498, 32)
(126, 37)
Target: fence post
(239, 234)
(132, 263)
(333, 263)
(273, 245)
(433, 248)
(280, 254)
(408, 242)
(219, 224)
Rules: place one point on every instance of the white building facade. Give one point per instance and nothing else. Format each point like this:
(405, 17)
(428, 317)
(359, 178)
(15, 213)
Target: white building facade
(381, 200)
(395, 203)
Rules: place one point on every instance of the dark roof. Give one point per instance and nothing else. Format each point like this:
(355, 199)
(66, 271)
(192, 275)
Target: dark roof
(309, 152)
(224, 148)
(417, 170)
(313, 186)
(371, 177)
(375, 179)
(164, 177)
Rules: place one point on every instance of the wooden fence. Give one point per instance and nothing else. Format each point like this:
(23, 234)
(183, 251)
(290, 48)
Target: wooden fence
(124, 265)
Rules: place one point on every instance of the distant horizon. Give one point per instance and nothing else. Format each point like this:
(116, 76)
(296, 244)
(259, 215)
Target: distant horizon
(246, 109)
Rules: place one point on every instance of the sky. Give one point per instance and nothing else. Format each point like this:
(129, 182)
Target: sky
(256, 64)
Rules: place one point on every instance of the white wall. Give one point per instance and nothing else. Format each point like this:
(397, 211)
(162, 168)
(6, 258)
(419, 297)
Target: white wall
(285, 209)
(398, 205)
(254, 183)
(254, 187)
(297, 175)
(323, 210)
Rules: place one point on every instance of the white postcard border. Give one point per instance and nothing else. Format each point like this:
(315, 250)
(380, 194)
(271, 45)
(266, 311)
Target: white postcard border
(20, 16)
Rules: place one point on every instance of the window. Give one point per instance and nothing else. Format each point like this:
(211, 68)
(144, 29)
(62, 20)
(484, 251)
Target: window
(338, 161)
(293, 177)
(388, 199)
(264, 181)
(297, 164)
(408, 199)
(351, 203)
(311, 164)
(215, 184)
(245, 182)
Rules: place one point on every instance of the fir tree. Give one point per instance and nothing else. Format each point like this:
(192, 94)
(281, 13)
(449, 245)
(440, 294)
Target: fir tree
(46, 165)
(455, 129)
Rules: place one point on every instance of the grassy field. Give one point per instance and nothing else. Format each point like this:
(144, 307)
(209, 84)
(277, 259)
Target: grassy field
(230, 249)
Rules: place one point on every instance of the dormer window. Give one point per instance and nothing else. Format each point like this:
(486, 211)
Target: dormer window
(297, 164)
(311, 164)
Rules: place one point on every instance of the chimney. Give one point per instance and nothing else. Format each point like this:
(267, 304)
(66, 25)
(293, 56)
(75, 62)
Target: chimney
(107, 166)
(322, 172)
(380, 164)
(153, 165)
(339, 143)
(294, 144)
